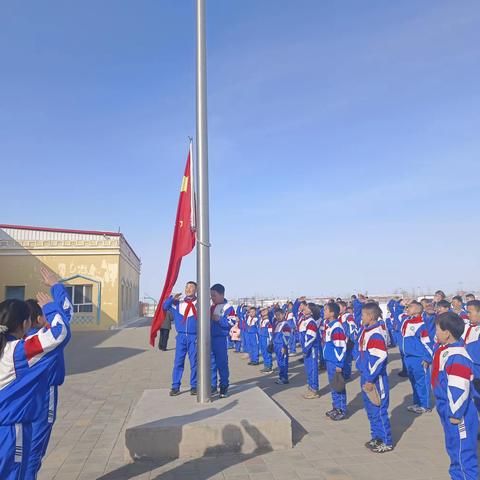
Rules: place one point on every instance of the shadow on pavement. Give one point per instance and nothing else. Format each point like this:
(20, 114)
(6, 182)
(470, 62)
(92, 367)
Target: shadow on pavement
(84, 345)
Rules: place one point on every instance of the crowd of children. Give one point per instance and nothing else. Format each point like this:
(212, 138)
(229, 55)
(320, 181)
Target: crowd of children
(438, 341)
(33, 335)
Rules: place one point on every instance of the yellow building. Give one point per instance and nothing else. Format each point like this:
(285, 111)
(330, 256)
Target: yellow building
(100, 270)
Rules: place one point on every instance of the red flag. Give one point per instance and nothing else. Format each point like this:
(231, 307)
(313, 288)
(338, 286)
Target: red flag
(183, 243)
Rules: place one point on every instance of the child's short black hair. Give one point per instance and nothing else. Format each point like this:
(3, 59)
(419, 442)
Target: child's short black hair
(443, 303)
(373, 307)
(35, 309)
(192, 283)
(475, 304)
(315, 309)
(342, 303)
(219, 288)
(451, 322)
(470, 295)
(458, 298)
(441, 293)
(333, 307)
(278, 309)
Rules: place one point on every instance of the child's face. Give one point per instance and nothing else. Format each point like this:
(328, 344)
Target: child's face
(441, 310)
(473, 314)
(306, 311)
(279, 316)
(457, 304)
(343, 308)
(443, 336)
(327, 313)
(413, 309)
(251, 312)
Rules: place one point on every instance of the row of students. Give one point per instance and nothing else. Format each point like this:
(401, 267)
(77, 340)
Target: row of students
(33, 336)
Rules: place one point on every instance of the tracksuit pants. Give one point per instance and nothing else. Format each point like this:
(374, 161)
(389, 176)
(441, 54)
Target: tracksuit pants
(219, 359)
(267, 357)
(378, 416)
(252, 346)
(15, 444)
(186, 343)
(292, 343)
(461, 443)
(282, 361)
(237, 344)
(339, 399)
(347, 366)
(420, 379)
(244, 341)
(41, 431)
(311, 368)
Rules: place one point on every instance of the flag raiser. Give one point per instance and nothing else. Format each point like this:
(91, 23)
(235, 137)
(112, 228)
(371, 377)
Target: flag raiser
(183, 243)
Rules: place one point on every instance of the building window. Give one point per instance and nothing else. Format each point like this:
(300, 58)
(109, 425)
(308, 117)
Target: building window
(81, 296)
(15, 292)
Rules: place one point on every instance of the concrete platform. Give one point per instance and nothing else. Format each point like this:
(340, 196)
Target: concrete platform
(164, 427)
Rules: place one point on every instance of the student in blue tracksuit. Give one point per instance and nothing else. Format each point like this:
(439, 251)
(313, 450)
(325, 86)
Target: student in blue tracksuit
(389, 321)
(185, 318)
(452, 374)
(25, 363)
(471, 340)
(289, 317)
(222, 319)
(264, 338)
(281, 333)
(251, 336)
(357, 303)
(42, 426)
(398, 313)
(334, 349)
(351, 331)
(417, 350)
(309, 341)
(372, 364)
(429, 318)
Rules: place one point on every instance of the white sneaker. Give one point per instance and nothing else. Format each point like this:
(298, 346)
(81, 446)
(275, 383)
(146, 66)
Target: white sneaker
(413, 408)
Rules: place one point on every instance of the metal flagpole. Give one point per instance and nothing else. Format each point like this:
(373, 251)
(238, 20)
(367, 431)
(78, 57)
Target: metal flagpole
(203, 236)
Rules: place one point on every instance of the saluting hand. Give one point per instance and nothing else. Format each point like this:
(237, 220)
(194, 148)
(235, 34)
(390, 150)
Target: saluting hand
(48, 277)
(43, 298)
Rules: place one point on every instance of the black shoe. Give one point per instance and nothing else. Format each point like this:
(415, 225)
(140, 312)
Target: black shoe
(266, 370)
(254, 363)
(330, 412)
(223, 392)
(403, 373)
(373, 443)
(213, 391)
(174, 392)
(193, 391)
(250, 363)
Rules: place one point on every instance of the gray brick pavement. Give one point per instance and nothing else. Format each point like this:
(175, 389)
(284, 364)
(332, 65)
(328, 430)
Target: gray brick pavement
(108, 371)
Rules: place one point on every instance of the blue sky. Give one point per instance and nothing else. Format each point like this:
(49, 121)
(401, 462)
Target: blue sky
(344, 137)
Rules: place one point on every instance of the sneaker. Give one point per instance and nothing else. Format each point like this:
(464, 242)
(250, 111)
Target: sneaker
(254, 363)
(223, 392)
(374, 442)
(213, 391)
(339, 415)
(412, 408)
(279, 381)
(193, 391)
(266, 370)
(330, 412)
(421, 410)
(311, 394)
(382, 448)
(174, 392)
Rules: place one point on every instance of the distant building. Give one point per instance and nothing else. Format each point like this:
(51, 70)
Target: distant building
(100, 270)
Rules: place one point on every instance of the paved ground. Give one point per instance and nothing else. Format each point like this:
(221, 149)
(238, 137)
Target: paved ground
(108, 371)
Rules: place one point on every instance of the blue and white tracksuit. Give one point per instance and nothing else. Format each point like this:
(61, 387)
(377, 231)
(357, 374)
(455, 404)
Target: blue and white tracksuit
(398, 310)
(281, 333)
(25, 367)
(251, 336)
(292, 342)
(389, 321)
(357, 312)
(429, 320)
(241, 314)
(185, 318)
(416, 348)
(309, 341)
(219, 330)
(334, 349)
(452, 373)
(471, 340)
(264, 337)
(42, 427)
(351, 331)
(372, 364)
